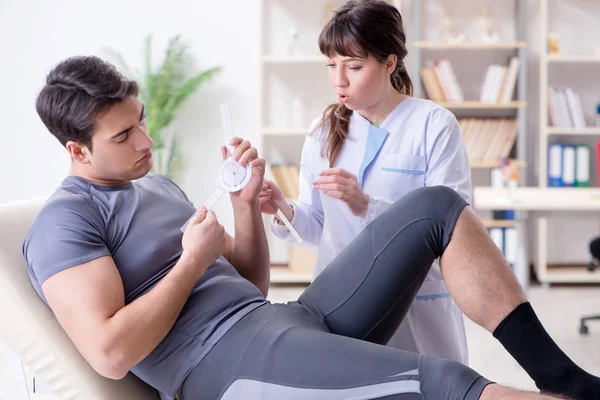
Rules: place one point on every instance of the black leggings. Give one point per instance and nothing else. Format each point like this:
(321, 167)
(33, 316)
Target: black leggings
(330, 343)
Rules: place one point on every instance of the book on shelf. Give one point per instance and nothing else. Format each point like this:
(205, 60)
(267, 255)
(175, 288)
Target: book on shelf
(506, 239)
(568, 167)
(450, 86)
(564, 108)
(488, 139)
(287, 178)
(432, 84)
(582, 165)
(499, 82)
(598, 163)
(498, 180)
(441, 83)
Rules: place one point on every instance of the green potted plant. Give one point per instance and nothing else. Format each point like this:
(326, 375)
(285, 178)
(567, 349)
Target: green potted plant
(163, 90)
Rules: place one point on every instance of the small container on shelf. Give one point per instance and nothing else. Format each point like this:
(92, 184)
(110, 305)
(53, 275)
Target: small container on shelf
(553, 44)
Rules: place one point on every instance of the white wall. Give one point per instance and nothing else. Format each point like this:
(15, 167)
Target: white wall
(35, 35)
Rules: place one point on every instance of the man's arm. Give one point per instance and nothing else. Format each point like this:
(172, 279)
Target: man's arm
(89, 301)
(249, 251)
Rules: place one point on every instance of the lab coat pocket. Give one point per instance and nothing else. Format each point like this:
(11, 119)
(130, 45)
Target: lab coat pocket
(401, 173)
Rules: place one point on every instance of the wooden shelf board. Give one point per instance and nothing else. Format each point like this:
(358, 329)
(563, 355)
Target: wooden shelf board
(481, 105)
(469, 45)
(556, 130)
(570, 274)
(565, 58)
(537, 199)
(499, 223)
(494, 164)
(282, 274)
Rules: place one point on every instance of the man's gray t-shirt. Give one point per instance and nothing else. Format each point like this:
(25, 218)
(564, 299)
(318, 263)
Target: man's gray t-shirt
(138, 225)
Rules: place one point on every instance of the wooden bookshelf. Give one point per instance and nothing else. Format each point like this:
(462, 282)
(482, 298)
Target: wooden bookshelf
(573, 202)
(443, 85)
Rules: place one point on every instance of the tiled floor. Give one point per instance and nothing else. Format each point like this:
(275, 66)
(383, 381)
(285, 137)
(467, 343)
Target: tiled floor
(558, 308)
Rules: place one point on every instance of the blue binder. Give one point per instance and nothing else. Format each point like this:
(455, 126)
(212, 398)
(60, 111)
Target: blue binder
(555, 165)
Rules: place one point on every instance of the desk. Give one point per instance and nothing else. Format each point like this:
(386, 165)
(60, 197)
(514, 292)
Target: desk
(537, 202)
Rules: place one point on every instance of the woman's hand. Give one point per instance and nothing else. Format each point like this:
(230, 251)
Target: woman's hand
(341, 184)
(271, 199)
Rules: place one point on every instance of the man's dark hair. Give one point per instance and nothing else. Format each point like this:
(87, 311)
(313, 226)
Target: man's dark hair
(77, 91)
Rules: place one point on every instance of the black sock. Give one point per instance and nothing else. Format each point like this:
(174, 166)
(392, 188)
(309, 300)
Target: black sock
(523, 335)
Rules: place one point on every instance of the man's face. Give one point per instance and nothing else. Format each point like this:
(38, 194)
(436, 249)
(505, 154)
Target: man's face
(121, 145)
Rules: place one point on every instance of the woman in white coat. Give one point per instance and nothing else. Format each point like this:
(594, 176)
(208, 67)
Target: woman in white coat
(365, 152)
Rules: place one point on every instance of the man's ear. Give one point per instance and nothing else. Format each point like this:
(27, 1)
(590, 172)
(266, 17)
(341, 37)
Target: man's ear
(390, 64)
(78, 152)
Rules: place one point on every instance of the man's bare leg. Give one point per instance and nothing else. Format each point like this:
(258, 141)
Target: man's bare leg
(497, 392)
(486, 290)
(477, 275)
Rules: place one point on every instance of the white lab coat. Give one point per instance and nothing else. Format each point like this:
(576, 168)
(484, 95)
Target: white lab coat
(418, 144)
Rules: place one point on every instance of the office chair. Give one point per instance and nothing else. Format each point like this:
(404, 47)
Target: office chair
(595, 251)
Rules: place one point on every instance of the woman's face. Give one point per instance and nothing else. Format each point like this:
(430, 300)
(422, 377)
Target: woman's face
(360, 83)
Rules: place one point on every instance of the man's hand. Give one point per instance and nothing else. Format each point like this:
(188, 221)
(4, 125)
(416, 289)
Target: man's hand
(271, 198)
(341, 184)
(246, 154)
(203, 240)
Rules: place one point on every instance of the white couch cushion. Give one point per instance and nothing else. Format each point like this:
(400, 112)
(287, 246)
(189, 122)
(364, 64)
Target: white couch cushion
(30, 329)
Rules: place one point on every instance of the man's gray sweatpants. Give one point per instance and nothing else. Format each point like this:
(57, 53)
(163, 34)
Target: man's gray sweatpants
(330, 343)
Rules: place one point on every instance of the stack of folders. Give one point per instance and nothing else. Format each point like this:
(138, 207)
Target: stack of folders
(505, 238)
(568, 165)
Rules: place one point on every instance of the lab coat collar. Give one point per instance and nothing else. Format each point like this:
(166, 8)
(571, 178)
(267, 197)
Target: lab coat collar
(375, 139)
(364, 123)
(375, 142)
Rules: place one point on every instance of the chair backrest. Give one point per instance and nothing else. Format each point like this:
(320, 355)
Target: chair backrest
(29, 327)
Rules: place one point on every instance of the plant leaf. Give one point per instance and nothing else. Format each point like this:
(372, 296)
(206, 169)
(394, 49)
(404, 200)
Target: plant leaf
(180, 94)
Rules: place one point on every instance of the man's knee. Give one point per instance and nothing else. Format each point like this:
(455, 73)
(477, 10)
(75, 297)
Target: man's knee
(430, 201)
